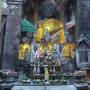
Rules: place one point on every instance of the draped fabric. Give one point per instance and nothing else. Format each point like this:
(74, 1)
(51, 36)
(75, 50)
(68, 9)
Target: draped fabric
(54, 27)
(27, 26)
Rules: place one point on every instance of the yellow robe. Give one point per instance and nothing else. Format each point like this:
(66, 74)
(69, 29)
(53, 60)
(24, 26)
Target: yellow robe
(54, 27)
(23, 50)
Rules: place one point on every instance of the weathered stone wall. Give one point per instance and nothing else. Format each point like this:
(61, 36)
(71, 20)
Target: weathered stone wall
(83, 18)
(11, 40)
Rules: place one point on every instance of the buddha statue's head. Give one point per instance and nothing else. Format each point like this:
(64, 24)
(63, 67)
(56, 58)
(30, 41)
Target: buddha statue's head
(24, 40)
(49, 9)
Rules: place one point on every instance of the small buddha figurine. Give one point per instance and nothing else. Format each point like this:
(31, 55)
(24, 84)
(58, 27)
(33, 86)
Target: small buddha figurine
(69, 50)
(46, 74)
(24, 49)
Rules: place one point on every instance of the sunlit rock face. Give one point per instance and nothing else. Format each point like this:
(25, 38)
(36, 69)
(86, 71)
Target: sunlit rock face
(83, 18)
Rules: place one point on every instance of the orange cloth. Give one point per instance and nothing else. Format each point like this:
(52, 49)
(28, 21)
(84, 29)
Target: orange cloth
(68, 50)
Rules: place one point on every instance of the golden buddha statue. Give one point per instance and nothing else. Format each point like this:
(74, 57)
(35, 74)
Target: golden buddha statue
(69, 50)
(24, 48)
